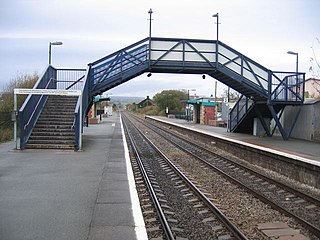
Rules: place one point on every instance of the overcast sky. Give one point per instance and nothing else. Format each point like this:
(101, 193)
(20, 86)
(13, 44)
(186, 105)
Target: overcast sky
(263, 30)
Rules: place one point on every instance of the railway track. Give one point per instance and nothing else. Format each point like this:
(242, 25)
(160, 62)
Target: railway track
(298, 205)
(182, 209)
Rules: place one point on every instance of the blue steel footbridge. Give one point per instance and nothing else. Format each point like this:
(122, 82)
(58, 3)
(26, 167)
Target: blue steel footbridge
(265, 93)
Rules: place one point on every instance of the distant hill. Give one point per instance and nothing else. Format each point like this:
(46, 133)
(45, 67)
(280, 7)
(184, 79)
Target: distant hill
(125, 100)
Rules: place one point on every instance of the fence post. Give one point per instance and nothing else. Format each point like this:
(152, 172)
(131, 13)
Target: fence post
(14, 118)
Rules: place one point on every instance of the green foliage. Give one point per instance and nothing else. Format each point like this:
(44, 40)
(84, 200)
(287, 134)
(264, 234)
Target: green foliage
(21, 81)
(171, 99)
(6, 100)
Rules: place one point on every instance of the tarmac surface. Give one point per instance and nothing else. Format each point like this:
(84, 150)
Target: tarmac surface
(56, 194)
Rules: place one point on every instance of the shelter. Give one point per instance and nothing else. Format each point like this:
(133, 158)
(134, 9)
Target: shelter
(204, 111)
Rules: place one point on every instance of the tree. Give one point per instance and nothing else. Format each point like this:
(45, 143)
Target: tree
(6, 102)
(233, 94)
(171, 99)
(20, 81)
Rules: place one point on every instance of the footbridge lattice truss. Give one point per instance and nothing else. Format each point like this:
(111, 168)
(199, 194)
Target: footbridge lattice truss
(265, 93)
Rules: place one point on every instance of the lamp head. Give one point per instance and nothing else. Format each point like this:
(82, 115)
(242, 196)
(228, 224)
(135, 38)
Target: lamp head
(215, 15)
(293, 53)
(56, 43)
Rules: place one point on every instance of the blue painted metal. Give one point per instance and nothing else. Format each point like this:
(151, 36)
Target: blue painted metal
(172, 55)
(33, 105)
(237, 114)
(52, 78)
(190, 56)
(86, 103)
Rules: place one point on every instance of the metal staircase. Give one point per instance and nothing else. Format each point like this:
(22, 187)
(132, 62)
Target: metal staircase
(266, 93)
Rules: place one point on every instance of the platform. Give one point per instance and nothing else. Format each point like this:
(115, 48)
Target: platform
(293, 148)
(53, 194)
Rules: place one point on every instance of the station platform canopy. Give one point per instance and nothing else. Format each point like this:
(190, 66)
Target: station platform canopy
(208, 102)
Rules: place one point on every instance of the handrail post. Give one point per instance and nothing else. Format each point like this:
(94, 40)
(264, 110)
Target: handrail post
(80, 123)
(14, 118)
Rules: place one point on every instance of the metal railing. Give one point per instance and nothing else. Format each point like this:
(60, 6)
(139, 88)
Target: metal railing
(70, 79)
(86, 99)
(239, 111)
(118, 64)
(33, 105)
(287, 87)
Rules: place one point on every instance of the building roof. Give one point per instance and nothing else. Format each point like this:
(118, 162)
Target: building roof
(312, 79)
(202, 101)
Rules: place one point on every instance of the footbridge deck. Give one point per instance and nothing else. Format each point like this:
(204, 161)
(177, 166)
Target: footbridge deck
(265, 93)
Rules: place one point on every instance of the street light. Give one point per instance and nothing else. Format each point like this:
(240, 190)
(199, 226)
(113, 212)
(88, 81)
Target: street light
(50, 44)
(297, 78)
(150, 19)
(217, 16)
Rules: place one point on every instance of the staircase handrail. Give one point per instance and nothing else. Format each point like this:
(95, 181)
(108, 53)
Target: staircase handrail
(247, 69)
(37, 105)
(74, 82)
(238, 112)
(32, 106)
(85, 107)
(118, 63)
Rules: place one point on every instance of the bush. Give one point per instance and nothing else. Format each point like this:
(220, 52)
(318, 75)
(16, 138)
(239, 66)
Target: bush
(6, 101)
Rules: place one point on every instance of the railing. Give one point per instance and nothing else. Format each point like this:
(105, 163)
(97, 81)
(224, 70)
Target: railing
(70, 79)
(287, 87)
(85, 105)
(200, 55)
(119, 62)
(33, 105)
(51, 79)
(194, 56)
(239, 111)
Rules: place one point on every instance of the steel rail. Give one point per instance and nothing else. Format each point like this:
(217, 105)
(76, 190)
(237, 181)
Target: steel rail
(315, 230)
(163, 220)
(220, 215)
(279, 184)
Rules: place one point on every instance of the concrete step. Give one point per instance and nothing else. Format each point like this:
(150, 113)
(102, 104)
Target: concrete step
(51, 137)
(50, 146)
(55, 122)
(58, 112)
(52, 134)
(52, 105)
(60, 108)
(52, 126)
(55, 119)
(53, 130)
(52, 115)
(51, 141)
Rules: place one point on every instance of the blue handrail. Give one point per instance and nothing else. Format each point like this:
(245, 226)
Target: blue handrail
(31, 109)
(33, 105)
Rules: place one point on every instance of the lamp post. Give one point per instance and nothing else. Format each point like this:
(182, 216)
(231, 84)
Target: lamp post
(294, 53)
(217, 44)
(150, 19)
(297, 70)
(50, 44)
